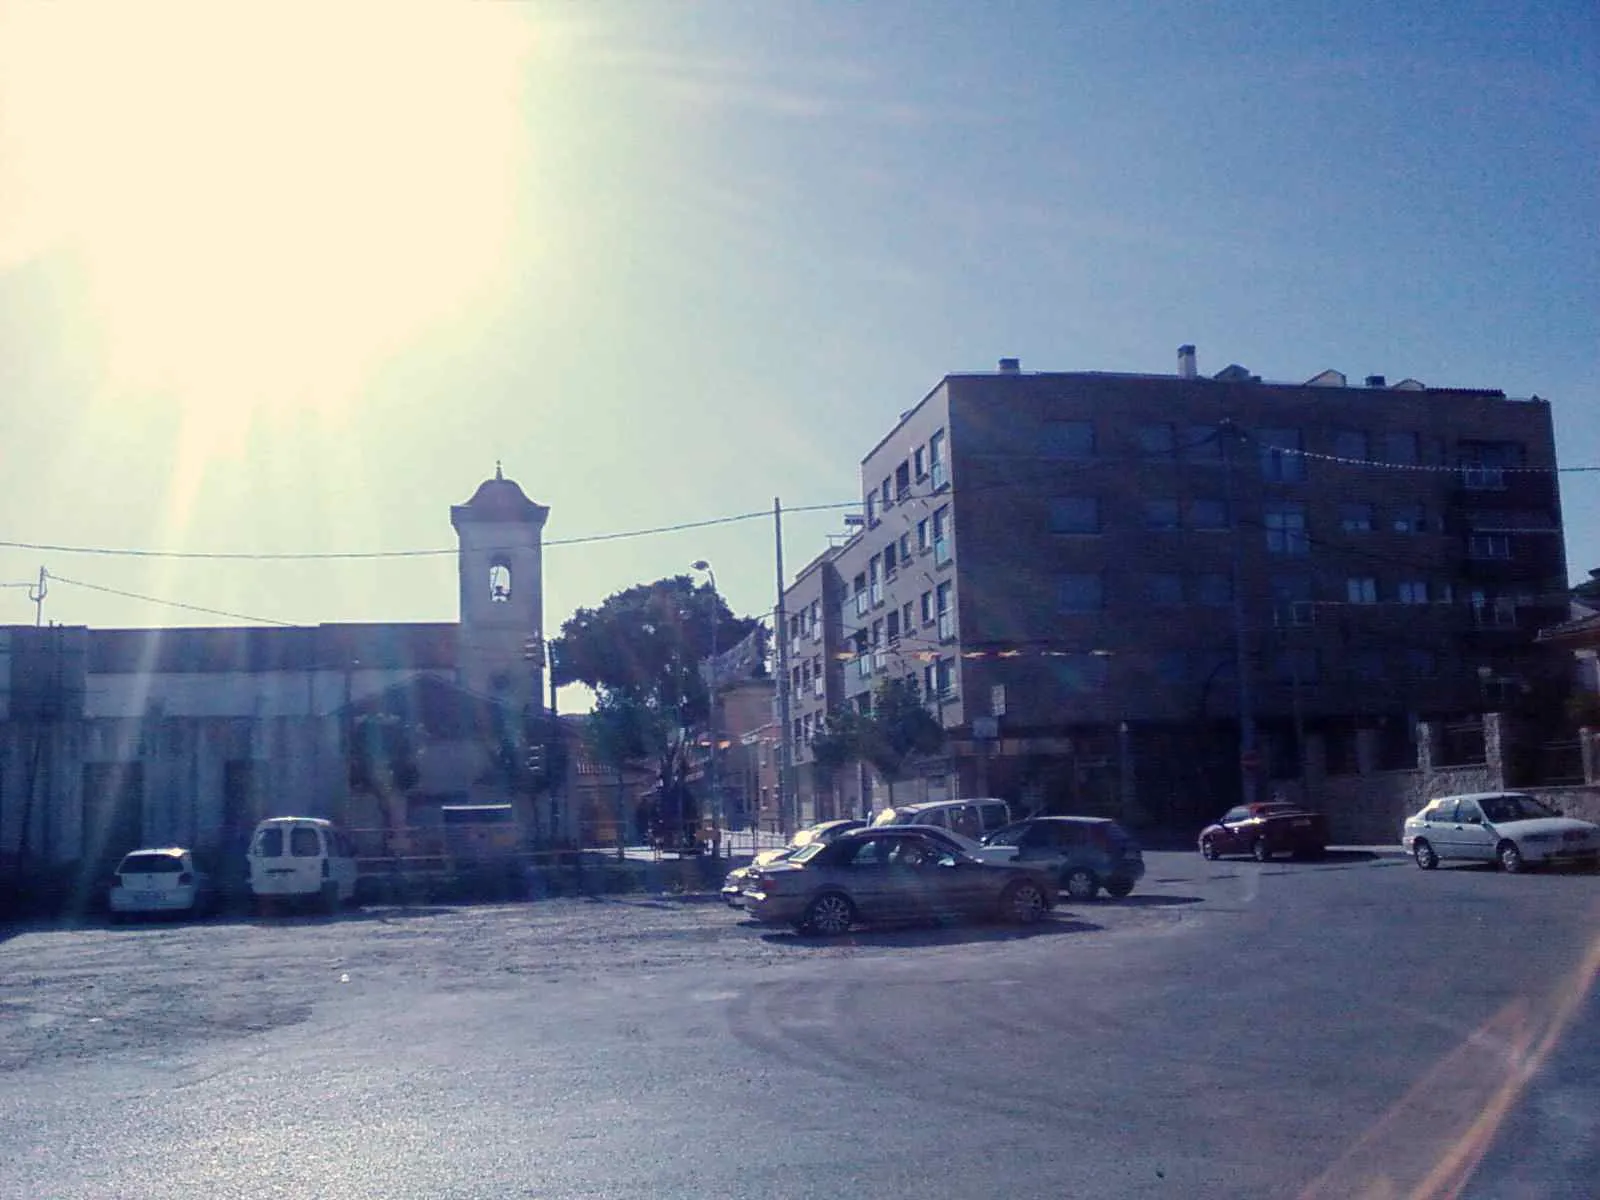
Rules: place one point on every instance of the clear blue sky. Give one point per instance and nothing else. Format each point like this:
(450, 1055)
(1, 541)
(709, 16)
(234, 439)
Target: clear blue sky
(292, 279)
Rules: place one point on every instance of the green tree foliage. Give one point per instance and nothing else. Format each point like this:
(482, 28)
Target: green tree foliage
(641, 651)
(898, 730)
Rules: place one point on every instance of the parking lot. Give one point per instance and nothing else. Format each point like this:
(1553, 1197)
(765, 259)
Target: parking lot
(665, 1046)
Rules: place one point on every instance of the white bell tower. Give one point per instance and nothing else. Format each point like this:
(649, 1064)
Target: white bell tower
(500, 535)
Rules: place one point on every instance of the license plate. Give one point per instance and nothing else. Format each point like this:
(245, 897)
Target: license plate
(1303, 824)
(147, 897)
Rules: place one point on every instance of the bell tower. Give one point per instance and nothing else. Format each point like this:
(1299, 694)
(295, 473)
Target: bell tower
(500, 539)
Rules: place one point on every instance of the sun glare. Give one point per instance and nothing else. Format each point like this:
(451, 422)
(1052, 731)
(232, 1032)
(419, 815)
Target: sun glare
(265, 202)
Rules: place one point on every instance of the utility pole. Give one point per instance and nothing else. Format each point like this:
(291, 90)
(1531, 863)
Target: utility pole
(781, 631)
(1249, 763)
(37, 594)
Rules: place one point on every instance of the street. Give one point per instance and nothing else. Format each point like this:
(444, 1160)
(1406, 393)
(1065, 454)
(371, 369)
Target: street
(1353, 1027)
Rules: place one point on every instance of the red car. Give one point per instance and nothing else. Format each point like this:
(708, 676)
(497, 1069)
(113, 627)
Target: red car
(1262, 830)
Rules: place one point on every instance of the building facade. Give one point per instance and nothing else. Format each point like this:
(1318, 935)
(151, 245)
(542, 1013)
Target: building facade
(113, 738)
(1094, 575)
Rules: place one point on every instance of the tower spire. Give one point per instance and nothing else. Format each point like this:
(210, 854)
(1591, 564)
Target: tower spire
(497, 472)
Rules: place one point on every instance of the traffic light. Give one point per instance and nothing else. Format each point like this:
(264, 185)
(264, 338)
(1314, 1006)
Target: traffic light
(536, 758)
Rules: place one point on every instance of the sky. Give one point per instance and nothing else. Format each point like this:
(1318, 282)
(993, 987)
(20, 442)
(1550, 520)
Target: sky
(289, 279)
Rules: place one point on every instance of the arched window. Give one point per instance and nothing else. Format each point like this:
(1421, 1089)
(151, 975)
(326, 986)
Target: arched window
(500, 580)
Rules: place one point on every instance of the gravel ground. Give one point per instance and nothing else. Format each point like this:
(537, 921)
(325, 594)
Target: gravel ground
(92, 990)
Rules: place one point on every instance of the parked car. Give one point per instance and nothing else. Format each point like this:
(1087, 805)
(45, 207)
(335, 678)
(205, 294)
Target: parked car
(160, 880)
(301, 859)
(1085, 853)
(1262, 830)
(892, 874)
(736, 879)
(1512, 829)
(970, 818)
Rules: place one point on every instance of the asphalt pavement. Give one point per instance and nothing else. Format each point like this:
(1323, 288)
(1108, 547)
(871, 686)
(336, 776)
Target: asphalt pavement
(1353, 1027)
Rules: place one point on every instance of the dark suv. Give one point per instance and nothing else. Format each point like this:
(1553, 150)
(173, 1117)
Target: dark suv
(1087, 853)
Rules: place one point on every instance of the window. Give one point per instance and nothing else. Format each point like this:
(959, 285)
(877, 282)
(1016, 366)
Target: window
(1410, 518)
(1081, 592)
(927, 608)
(1286, 529)
(1421, 664)
(944, 678)
(888, 560)
(1412, 591)
(936, 460)
(1157, 441)
(1163, 589)
(1068, 439)
(947, 617)
(1489, 545)
(1208, 514)
(1401, 448)
(1161, 514)
(905, 547)
(902, 481)
(887, 493)
(1213, 588)
(1361, 589)
(1484, 464)
(1291, 589)
(1369, 665)
(891, 628)
(1075, 514)
(941, 536)
(500, 580)
(908, 616)
(1280, 460)
(1082, 674)
(875, 578)
(922, 534)
(872, 508)
(304, 842)
(1201, 444)
(1355, 518)
(918, 463)
(1350, 443)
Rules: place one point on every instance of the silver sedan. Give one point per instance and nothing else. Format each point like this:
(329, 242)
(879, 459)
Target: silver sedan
(892, 874)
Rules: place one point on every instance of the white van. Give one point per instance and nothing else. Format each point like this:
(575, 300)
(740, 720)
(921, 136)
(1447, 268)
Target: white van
(970, 818)
(301, 859)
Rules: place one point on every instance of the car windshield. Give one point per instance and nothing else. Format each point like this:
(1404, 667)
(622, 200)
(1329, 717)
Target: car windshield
(151, 864)
(1514, 808)
(807, 853)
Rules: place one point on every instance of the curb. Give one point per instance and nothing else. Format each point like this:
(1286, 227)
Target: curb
(1385, 851)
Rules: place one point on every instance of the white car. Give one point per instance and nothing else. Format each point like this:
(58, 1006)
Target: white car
(160, 880)
(1510, 828)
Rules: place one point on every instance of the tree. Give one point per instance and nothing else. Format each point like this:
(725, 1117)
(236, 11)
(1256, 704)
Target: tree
(384, 760)
(640, 651)
(897, 730)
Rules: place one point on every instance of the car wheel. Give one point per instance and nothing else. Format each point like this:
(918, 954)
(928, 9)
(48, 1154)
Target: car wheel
(1424, 854)
(1260, 851)
(1208, 849)
(1510, 857)
(1119, 887)
(1080, 884)
(1022, 903)
(829, 915)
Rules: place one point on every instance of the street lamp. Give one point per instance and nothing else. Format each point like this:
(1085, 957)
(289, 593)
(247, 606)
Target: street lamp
(701, 564)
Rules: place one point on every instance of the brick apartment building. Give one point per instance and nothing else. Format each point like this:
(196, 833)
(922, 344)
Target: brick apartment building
(1077, 564)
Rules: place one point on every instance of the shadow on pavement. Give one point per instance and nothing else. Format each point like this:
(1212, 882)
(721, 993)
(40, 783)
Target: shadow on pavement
(1146, 901)
(665, 900)
(910, 937)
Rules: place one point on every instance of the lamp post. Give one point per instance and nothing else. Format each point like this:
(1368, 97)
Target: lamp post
(701, 564)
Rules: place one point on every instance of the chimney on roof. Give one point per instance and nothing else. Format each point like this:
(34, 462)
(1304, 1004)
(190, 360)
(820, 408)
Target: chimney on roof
(1010, 366)
(1377, 381)
(1187, 367)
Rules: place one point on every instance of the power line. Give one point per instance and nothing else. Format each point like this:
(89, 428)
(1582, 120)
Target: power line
(215, 612)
